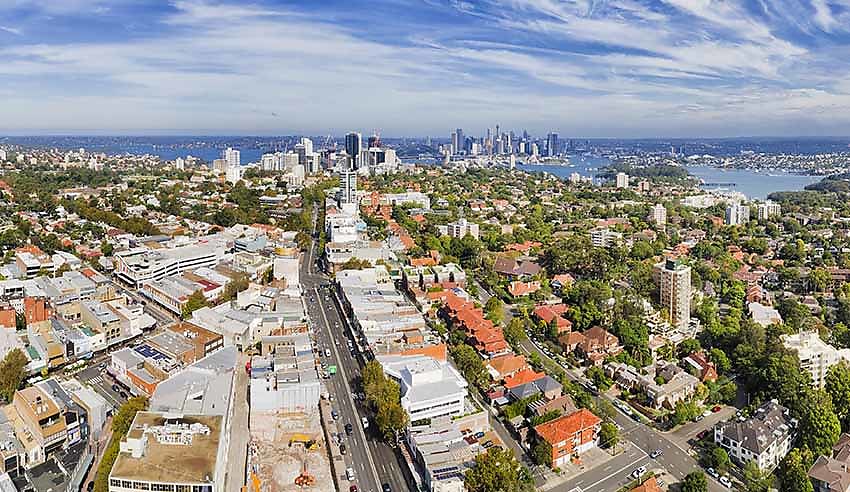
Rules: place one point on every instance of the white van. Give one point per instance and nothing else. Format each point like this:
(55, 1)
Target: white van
(349, 474)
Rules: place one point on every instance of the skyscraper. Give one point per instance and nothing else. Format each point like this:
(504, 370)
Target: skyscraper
(374, 141)
(455, 145)
(461, 143)
(231, 156)
(676, 292)
(552, 145)
(353, 146)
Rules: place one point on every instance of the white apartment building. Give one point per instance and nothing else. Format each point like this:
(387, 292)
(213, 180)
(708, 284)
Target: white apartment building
(816, 356)
(429, 388)
(347, 187)
(602, 237)
(737, 214)
(232, 157)
(461, 228)
(622, 180)
(765, 438)
(768, 209)
(675, 292)
(659, 214)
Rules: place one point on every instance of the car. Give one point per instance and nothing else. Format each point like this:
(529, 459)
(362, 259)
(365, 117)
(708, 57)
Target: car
(342, 449)
(479, 435)
(365, 422)
(353, 488)
(348, 429)
(124, 395)
(706, 413)
(487, 444)
(701, 434)
(102, 366)
(327, 352)
(656, 453)
(716, 408)
(89, 486)
(115, 388)
(699, 417)
(660, 482)
(639, 472)
(725, 481)
(713, 473)
(386, 488)
(349, 474)
(334, 414)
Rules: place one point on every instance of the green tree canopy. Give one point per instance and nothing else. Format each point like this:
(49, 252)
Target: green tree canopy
(12, 372)
(497, 470)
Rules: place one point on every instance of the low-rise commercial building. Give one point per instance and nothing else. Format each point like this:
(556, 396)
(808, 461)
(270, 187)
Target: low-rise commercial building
(429, 388)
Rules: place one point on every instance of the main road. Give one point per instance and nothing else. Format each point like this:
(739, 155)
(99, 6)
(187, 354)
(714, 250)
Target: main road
(374, 462)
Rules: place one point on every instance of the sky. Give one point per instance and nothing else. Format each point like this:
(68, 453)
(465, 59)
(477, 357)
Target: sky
(583, 68)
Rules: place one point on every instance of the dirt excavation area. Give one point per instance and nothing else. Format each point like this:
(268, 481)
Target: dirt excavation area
(288, 452)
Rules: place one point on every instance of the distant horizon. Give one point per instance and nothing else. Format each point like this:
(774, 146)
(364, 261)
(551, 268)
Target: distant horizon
(340, 136)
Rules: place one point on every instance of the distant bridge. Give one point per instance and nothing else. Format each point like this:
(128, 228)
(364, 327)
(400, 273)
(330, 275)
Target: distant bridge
(715, 185)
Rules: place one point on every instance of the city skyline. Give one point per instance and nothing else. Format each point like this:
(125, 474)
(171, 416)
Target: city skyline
(619, 69)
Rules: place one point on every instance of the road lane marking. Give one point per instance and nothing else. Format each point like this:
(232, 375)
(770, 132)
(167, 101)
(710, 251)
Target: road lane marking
(347, 393)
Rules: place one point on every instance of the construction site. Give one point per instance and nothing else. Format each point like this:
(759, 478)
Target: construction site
(288, 452)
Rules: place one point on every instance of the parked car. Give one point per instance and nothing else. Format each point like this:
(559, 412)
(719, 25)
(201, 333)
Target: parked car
(479, 435)
(334, 414)
(349, 474)
(713, 473)
(656, 453)
(348, 429)
(716, 408)
(725, 481)
(365, 422)
(353, 488)
(342, 449)
(386, 488)
(639, 472)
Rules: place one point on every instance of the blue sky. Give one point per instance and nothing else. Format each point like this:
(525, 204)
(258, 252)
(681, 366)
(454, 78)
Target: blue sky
(607, 68)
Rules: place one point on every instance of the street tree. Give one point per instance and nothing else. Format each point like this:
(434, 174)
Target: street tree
(497, 470)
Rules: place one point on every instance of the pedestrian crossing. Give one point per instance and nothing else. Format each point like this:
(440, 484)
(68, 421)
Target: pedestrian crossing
(96, 380)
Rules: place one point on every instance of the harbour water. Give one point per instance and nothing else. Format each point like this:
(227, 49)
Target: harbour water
(755, 185)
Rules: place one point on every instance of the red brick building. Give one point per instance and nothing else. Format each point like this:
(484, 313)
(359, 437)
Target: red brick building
(570, 435)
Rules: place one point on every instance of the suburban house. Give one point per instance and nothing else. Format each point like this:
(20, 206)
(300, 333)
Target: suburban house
(677, 384)
(765, 438)
(549, 312)
(704, 368)
(518, 288)
(511, 268)
(505, 366)
(570, 435)
(595, 344)
(832, 473)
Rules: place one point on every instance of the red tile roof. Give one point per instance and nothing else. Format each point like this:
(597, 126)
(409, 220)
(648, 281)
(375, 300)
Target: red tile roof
(566, 427)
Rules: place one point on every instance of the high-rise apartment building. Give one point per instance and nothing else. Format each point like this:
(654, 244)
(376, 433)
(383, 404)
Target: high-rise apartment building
(348, 186)
(231, 157)
(737, 214)
(676, 292)
(768, 209)
(659, 214)
(622, 180)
